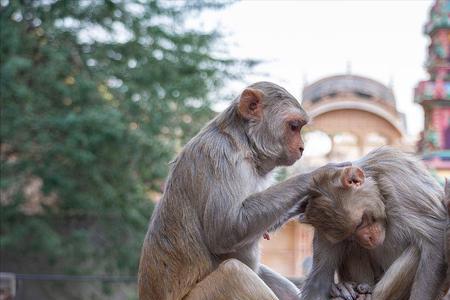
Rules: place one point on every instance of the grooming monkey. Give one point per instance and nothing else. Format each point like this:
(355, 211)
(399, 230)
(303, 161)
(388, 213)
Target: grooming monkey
(202, 240)
(380, 221)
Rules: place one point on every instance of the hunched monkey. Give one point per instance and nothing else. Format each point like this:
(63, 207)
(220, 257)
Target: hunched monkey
(202, 240)
(380, 221)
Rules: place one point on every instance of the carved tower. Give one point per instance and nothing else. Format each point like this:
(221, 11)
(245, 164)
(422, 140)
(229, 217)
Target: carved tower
(434, 94)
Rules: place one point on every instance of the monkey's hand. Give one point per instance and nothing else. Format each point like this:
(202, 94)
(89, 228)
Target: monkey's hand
(344, 290)
(350, 291)
(294, 211)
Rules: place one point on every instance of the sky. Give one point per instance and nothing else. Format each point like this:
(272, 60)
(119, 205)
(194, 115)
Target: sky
(303, 41)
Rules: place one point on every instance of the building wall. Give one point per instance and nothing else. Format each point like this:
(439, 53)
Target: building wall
(288, 248)
(357, 122)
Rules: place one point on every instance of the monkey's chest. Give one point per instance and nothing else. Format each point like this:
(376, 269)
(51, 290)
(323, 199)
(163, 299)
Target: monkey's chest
(253, 183)
(383, 257)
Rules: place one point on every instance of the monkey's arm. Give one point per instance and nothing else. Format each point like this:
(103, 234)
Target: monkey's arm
(274, 206)
(241, 222)
(231, 223)
(294, 211)
(397, 280)
(325, 261)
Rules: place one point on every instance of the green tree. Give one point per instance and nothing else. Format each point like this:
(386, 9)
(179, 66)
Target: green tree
(96, 96)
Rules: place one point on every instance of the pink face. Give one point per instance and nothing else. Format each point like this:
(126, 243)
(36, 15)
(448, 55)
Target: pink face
(369, 234)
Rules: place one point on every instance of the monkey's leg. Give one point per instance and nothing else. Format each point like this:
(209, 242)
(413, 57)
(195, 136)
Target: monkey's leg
(397, 281)
(232, 280)
(447, 296)
(326, 258)
(282, 287)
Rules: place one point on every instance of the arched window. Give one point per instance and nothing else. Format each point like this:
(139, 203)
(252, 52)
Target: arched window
(374, 140)
(317, 144)
(345, 147)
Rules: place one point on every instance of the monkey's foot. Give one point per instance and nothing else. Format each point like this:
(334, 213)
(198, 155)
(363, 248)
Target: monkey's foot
(350, 291)
(364, 288)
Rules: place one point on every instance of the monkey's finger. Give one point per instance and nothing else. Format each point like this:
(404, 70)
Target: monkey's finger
(363, 288)
(341, 164)
(335, 292)
(361, 297)
(368, 297)
(344, 292)
(351, 288)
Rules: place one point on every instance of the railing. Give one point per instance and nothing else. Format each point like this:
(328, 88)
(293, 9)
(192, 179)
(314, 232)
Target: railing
(9, 282)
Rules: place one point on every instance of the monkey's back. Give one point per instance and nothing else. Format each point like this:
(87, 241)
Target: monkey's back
(174, 257)
(411, 194)
(398, 172)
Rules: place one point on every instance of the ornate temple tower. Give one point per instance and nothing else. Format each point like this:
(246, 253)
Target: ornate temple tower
(434, 94)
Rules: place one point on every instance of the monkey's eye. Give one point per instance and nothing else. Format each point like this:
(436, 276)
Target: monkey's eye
(295, 125)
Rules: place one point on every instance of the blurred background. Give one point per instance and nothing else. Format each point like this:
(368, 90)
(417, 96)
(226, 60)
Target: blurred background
(97, 96)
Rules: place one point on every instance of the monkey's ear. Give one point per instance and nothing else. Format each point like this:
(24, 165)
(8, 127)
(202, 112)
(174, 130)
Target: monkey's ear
(352, 177)
(250, 104)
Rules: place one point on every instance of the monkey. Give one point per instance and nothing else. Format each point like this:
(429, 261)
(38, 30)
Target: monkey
(202, 239)
(379, 221)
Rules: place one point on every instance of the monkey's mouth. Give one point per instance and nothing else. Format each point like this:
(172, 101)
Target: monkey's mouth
(373, 236)
(291, 158)
(298, 155)
(371, 245)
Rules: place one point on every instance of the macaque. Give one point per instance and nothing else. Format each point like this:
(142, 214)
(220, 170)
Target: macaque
(202, 240)
(380, 221)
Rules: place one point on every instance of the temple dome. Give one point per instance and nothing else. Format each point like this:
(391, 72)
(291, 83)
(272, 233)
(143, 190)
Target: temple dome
(336, 85)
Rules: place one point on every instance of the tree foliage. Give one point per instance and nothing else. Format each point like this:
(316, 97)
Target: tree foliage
(96, 96)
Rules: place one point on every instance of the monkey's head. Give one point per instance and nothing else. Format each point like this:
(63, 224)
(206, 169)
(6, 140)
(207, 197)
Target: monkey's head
(273, 120)
(344, 204)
